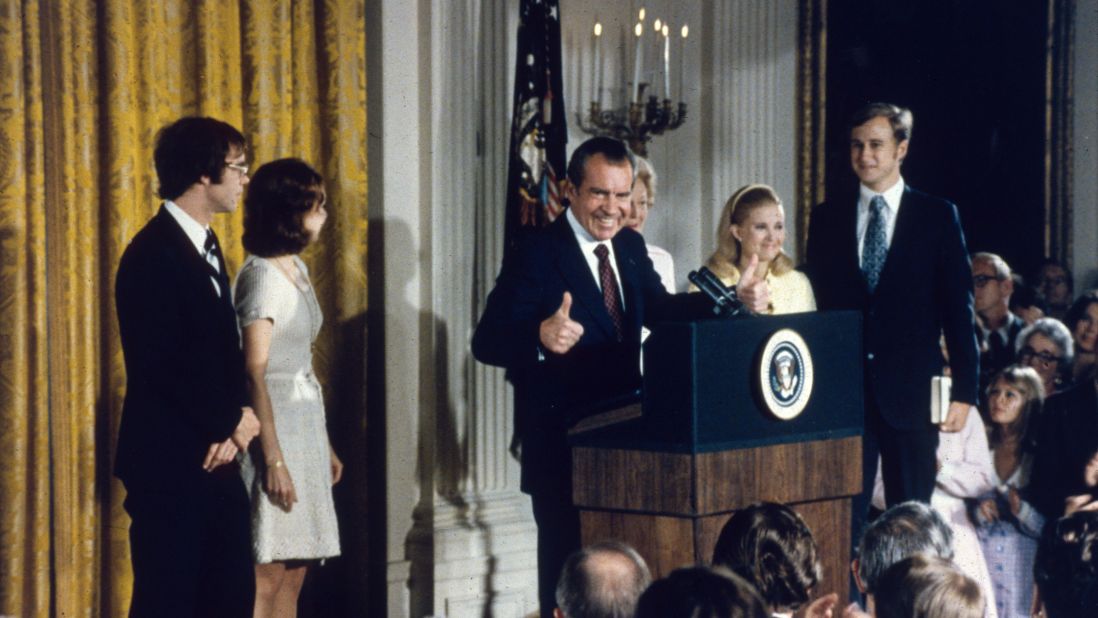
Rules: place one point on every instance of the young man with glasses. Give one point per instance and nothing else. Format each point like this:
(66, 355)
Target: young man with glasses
(186, 412)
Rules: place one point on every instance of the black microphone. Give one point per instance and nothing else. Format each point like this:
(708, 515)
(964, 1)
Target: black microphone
(726, 303)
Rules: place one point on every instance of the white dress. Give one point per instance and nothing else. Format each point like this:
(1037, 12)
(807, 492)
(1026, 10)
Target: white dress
(309, 530)
(966, 472)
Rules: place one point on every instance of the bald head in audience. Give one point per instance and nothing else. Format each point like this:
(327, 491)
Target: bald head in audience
(601, 581)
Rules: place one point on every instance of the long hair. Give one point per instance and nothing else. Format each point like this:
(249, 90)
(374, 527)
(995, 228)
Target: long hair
(1026, 381)
(724, 260)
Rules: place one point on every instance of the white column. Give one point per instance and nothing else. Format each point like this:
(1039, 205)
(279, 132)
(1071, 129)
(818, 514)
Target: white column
(396, 193)
(472, 542)
(748, 111)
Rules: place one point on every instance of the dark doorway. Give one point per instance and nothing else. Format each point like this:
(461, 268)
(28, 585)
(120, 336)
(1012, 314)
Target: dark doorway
(974, 75)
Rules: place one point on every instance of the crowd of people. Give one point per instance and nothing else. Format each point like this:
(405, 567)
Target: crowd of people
(765, 565)
(1014, 451)
(992, 512)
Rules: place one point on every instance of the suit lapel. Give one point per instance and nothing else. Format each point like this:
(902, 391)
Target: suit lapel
(630, 283)
(902, 239)
(193, 263)
(847, 244)
(577, 274)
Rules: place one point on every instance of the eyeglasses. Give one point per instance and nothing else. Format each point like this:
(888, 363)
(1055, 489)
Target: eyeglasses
(981, 280)
(1044, 358)
(1053, 281)
(243, 169)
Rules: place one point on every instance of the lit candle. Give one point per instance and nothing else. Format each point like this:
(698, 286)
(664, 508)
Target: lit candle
(657, 66)
(666, 63)
(682, 61)
(596, 75)
(638, 30)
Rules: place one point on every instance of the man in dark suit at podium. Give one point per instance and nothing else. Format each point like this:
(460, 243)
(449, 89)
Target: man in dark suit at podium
(898, 256)
(565, 320)
(185, 414)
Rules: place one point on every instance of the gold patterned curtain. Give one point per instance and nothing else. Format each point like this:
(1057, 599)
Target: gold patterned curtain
(84, 86)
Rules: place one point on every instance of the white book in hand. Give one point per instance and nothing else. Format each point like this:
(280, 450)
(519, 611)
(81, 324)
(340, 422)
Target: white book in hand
(940, 387)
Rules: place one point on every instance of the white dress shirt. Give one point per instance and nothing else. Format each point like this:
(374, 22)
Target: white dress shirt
(587, 245)
(197, 233)
(892, 197)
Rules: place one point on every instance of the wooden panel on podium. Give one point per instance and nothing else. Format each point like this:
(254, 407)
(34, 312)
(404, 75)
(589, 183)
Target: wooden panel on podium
(706, 446)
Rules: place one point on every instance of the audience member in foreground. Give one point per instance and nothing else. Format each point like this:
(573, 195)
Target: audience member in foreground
(701, 592)
(601, 581)
(1066, 570)
(927, 587)
(1007, 525)
(907, 529)
(750, 235)
(771, 547)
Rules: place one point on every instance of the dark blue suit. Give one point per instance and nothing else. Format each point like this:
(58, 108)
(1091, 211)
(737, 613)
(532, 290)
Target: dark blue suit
(924, 290)
(1066, 435)
(190, 531)
(553, 391)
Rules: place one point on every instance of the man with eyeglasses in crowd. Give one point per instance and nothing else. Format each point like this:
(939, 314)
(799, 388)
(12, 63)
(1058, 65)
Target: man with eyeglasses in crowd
(186, 411)
(993, 286)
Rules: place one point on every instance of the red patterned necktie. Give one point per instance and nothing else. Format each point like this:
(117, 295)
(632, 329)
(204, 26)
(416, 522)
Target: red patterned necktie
(610, 294)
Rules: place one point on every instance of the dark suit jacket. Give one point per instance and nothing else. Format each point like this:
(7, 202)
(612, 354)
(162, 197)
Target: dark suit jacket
(925, 288)
(552, 391)
(184, 366)
(1066, 436)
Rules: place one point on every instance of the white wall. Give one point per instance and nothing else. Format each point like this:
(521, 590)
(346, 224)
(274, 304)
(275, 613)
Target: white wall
(740, 91)
(1085, 198)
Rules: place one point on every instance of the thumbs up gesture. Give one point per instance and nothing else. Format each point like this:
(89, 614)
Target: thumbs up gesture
(752, 291)
(559, 332)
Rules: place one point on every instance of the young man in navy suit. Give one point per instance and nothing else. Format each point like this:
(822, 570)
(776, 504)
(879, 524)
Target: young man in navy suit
(186, 412)
(898, 256)
(565, 320)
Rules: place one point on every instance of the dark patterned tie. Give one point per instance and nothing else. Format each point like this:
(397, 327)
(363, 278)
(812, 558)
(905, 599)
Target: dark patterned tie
(876, 243)
(610, 295)
(211, 254)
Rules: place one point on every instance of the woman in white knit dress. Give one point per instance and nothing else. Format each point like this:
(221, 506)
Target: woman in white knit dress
(290, 476)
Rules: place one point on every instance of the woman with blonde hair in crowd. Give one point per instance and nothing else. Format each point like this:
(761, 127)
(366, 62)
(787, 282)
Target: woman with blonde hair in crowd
(643, 199)
(1007, 525)
(751, 231)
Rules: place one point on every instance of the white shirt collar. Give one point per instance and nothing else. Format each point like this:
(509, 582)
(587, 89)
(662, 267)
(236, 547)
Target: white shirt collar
(891, 195)
(587, 242)
(193, 229)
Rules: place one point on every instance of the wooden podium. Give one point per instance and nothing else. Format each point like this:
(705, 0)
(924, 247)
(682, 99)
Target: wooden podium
(706, 443)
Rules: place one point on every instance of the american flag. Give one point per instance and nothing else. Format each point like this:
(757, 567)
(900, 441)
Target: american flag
(538, 125)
